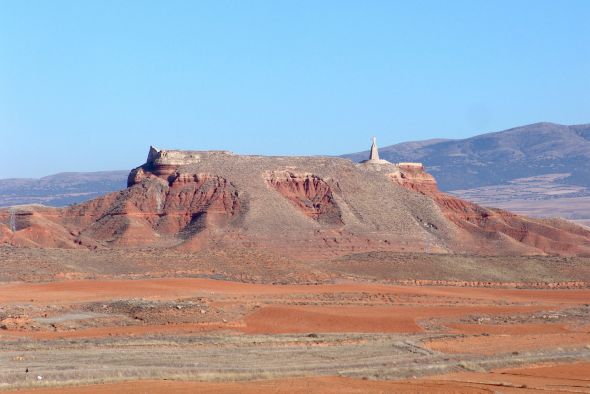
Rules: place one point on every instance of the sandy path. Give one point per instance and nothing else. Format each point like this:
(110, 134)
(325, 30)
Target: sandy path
(512, 329)
(504, 343)
(577, 371)
(562, 378)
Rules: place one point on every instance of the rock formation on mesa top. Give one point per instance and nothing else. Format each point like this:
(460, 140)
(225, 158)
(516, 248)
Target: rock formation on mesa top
(294, 207)
(374, 155)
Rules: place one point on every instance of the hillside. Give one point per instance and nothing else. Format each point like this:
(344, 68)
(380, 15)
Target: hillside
(304, 207)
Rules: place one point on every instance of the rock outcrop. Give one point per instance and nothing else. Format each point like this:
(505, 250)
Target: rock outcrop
(309, 193)
(296, 207)
(414, 177)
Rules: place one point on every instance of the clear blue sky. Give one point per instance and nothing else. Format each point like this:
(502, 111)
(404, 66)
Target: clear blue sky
(89, 85)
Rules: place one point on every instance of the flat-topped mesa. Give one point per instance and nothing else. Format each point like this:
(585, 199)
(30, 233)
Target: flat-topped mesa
(165, 163)
(304, 207)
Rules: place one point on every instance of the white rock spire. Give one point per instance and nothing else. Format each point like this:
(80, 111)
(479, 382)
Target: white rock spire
(374, 157)
(374, 151)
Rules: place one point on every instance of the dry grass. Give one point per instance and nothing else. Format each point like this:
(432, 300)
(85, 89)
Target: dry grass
(241, 358)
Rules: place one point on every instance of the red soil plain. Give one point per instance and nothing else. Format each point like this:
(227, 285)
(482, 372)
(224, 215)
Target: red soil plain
(215, 272)
(472, 332)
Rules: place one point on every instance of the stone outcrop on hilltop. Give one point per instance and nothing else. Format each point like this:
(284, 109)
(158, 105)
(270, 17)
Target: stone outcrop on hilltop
(304, 207)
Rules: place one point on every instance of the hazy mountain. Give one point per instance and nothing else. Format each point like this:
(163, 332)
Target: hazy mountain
(61, 189)
(497, 158)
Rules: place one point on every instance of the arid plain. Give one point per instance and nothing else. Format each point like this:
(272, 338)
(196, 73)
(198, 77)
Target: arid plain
(214, 272)
(336, 334)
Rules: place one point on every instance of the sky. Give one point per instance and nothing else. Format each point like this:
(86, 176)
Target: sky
(90, 85)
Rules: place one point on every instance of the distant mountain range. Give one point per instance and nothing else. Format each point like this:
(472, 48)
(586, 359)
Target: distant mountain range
(61, 189)
(542, 169)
